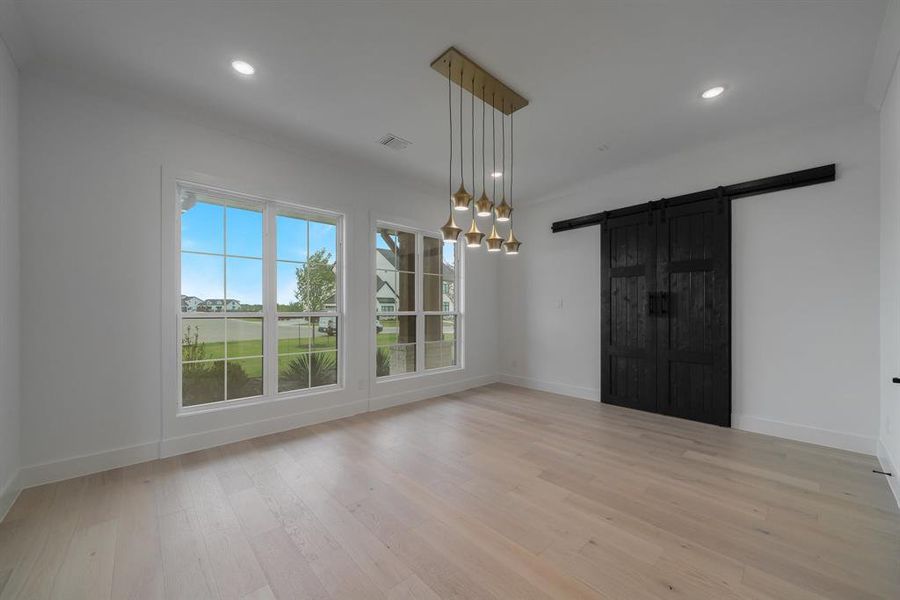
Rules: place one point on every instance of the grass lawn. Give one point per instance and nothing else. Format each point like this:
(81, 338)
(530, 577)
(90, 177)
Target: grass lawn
(386, 339)
(390, 338)
(253, 348)
(241, 348)
(241, 351)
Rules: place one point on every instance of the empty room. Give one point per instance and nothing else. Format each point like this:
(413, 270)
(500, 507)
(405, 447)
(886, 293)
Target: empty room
(495, 299)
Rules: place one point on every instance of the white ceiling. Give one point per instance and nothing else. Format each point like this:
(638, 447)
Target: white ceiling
(626, 74)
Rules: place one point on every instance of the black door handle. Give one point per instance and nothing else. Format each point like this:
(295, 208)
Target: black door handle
(896, 380)
(663, 303)
(651, 303)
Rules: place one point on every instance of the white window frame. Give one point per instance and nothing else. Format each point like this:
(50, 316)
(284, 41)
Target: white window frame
(419, 311)
(271, 208)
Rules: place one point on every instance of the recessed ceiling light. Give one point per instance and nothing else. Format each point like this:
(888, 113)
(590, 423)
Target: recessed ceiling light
(496, 174)
(243, 67)
(713, 92)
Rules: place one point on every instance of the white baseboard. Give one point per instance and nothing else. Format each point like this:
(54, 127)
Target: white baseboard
(122, 457)
(87, 464)
(889, 465)
(218, 437)
(8, 494)
(382, 402)
(553, 387)
(791, 431)
(803, 433)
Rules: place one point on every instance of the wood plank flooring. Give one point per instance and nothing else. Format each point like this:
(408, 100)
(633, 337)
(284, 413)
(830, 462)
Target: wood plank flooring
(494, 493)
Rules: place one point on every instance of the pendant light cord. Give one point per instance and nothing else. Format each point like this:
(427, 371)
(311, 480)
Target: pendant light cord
(483, 186)
(450, 113)
(503, 132)
(462, 158)
(511, 156)
(472, 119)
(494, 143)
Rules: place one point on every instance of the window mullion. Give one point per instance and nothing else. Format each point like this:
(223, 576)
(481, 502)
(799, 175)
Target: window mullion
(225, 293)
(420, 303)
(270, 324)
(339, 303)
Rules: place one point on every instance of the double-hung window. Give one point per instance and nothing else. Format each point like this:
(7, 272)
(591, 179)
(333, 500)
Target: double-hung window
(417, 311)
(307, 269)
(260, 310)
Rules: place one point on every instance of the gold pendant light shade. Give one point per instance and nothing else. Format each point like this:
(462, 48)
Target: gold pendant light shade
(473, 236)
(503, 210)
(484, 206)
(511, 245)
(450, 231)
(461, 198)
(494, 241)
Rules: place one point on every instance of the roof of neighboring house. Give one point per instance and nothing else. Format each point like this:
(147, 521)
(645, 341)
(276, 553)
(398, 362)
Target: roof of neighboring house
(391, 258)
(381, 284)
(388, 256)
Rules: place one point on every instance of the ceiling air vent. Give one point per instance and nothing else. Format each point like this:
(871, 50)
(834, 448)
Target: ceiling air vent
(394, 142)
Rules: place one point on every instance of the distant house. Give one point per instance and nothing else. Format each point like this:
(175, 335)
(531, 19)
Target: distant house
(218, 305)
(190, 303)
(387, 296)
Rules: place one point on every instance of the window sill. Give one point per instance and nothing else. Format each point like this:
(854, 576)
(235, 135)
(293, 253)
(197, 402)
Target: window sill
(428, 373)
(190, 411)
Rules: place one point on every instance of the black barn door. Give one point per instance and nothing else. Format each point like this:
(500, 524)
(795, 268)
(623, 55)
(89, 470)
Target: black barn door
(628, 354)
(666, 319)
(693, 275)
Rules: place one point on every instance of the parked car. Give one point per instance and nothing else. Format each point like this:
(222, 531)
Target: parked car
(328, 326)
(378, 326)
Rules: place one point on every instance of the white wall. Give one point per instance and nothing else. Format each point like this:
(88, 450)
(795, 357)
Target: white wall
(889, 447)
(9, 279)
(91, 228)
(805, 279)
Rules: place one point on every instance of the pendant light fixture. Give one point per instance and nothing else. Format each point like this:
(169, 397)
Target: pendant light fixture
(463, 71)
(473, 236)
(495, 240)
(462, 198)
(503, 209)
(484, 206)
(450, 231)
(511, 245)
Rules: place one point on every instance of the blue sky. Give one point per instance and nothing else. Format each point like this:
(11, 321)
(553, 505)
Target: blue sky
(203, 230)
(206, 263)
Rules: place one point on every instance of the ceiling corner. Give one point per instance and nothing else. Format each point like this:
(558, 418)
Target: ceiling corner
(15, 34)
(886, 54)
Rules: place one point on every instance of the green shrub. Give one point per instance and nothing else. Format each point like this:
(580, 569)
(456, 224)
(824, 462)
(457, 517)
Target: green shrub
(383, 362)
(191, 347)
(205, 382)
(241, 385)
(202, 383)
(309, 370)
(323, 369)
(296, 375)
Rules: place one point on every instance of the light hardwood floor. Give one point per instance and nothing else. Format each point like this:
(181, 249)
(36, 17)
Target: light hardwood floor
(497, 492)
